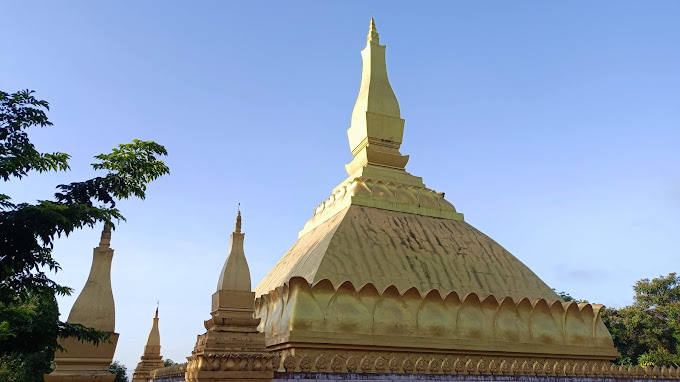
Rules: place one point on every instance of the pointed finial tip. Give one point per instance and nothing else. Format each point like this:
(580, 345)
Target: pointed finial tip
(238, 220)
(373, 31)
(105, 240)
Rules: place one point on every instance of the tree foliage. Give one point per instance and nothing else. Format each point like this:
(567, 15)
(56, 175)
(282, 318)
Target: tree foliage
(18, 156)
(28, 364)
(168, 362)
(648, 331)
(119, 370)
(28, 230)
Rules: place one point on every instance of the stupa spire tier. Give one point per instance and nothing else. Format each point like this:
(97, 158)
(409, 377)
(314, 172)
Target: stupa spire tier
(231, 332)
(105, 240)
(235, 275)
(376, 131)
(377, 174)
(151, 359)
(373, 33)
(237, 228)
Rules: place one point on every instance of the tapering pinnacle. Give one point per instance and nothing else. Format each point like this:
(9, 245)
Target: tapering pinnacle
(105, 241)
(376, 131)
(238, 223)
(235, 274)
(373, 32)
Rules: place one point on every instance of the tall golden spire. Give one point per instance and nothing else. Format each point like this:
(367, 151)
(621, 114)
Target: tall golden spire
(238, 220)
(153, 342)
(377, 129)
(151, 359)
(95, 308)
(235, 274)
(373, 32)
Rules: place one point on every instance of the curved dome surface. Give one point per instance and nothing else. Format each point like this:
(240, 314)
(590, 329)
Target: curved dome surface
(370, 245)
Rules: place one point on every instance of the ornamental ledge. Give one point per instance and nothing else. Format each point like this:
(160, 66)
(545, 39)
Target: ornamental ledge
(298, 315)
(329, 362)
(175, 370)
(384, 195)
(232, 362)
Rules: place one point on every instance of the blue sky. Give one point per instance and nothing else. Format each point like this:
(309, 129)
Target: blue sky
(554, 127)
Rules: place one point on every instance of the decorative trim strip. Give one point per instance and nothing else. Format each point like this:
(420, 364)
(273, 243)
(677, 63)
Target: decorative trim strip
(384, 195)
(472, 365)
(232, 362)
(175, 370)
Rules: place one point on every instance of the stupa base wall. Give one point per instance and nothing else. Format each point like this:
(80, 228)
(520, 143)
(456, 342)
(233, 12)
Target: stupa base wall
(373, 377)
(83, 361)
(231, 376)
(364, 377)
(328, 321)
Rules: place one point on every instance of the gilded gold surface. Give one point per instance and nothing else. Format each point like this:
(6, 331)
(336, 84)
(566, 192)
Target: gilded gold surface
(369, 245)
(387, 277)
(151, 359)
(469, 364)
(384, 195)
(377, 130)
(235, 273)
(94, 307)
(298, 315)
(231, 348)
(176, 370)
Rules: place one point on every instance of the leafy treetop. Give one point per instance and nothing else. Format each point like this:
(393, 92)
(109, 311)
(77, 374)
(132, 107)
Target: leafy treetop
(28, 231)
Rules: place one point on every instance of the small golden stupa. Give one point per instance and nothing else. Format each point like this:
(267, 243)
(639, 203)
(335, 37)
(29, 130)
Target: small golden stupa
(151, 359)
(81, 361)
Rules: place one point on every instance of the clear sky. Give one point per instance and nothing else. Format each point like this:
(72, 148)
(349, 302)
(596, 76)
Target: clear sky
(554, 127)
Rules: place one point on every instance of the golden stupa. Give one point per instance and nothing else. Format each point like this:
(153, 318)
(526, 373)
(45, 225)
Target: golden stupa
(385, 282)
(384, 227)
(388, 279)
(388, 268)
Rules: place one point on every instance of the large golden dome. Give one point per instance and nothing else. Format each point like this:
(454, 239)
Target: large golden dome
(370, 245)
(383, 226)
(388, 271)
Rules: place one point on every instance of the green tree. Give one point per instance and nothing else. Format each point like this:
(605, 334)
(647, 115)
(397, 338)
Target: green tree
(29, 319)
(168, 362)
(566, 297)
(648, 331)
(119, 370)
(20, 366)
